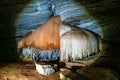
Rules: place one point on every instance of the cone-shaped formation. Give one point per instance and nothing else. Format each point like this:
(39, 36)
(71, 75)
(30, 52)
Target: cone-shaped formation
(46, 37)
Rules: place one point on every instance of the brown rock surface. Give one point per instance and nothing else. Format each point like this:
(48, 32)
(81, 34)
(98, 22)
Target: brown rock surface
(23, 71)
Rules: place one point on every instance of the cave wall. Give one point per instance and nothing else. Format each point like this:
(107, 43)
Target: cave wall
(107, 15)
(18, 17)
(9, 10)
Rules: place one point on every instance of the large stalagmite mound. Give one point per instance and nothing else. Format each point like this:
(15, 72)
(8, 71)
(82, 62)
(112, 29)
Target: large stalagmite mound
(46, 37)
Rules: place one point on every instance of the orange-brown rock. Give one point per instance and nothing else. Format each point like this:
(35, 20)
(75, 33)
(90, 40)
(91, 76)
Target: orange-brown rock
(46, 37)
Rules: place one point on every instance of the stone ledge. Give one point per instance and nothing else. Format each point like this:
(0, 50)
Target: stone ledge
(88, 73)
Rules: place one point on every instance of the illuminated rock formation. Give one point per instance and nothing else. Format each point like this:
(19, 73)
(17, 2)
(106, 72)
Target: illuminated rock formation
(46, 37)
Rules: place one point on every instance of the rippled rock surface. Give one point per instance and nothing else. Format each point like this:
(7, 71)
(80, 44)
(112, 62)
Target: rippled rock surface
(101, 17)
(71, 12)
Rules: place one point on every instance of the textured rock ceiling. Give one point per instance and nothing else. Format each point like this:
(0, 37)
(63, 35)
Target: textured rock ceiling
(94, 15)
(19, 17)
(71, 12)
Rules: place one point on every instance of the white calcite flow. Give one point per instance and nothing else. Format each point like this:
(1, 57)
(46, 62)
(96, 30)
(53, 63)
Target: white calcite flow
(44, 69)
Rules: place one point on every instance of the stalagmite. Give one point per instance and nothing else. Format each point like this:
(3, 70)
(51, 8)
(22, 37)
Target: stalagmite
(74, 43)
(43, 45)
(46, 37)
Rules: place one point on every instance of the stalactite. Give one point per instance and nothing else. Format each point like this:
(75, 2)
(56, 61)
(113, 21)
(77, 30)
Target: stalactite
(74, 43)
(77, 44)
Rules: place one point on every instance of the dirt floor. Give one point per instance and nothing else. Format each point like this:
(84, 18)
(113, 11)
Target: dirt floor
(23, 71)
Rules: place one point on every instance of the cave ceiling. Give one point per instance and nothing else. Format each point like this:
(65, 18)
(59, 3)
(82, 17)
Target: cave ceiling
(93, 15)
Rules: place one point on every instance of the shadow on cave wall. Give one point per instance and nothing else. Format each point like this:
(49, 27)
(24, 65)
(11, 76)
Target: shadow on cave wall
(107, 15)
(9, 10)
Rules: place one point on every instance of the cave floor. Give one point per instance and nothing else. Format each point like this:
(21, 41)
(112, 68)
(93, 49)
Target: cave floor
(23, 71)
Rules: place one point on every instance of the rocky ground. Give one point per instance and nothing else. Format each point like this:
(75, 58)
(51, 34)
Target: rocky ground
(104, 68)
(23, 71)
